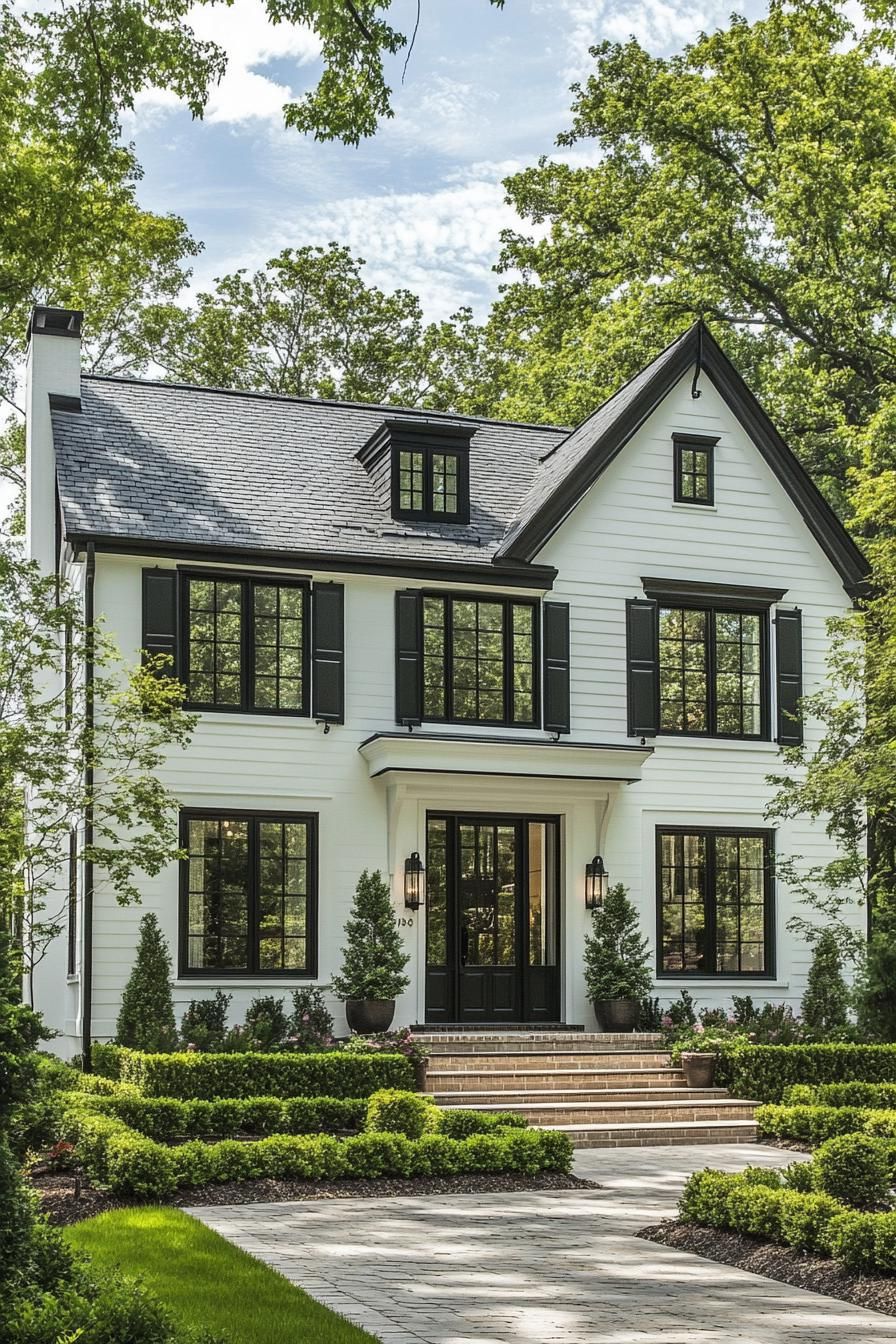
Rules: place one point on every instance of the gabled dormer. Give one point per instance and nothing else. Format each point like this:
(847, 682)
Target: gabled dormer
(421, 469)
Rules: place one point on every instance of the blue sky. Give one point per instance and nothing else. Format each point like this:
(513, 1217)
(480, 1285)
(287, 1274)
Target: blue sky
(485, 94)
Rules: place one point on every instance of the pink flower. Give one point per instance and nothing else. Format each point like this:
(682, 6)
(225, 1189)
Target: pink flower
(666, 1020)
(699, 1028)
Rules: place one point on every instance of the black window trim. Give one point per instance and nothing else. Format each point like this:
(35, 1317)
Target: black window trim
(713, 606)
(705, 443)
(185, 971)
(248, 580)
(767, 835)
(428, 514)
(507, 602)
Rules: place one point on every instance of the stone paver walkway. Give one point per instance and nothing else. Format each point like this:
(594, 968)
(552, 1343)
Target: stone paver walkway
(542, 1267)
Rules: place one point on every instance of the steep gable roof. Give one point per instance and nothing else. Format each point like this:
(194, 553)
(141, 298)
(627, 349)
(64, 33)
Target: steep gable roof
(571, 467)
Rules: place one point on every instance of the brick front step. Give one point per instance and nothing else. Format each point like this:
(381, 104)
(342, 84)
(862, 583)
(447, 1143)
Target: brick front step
(523, 1042)
(522, 1080)
(629, 1112)
(511, 1101)
(482, 1062)
(644, 1135)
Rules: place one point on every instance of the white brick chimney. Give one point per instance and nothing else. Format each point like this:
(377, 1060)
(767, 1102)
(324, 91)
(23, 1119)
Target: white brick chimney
(54, 376)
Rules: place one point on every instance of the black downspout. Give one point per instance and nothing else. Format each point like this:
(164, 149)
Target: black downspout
(87, 952)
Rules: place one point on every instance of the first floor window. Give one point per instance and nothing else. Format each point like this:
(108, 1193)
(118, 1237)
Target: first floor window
(479, 660)
(248, 894)
(715, 901)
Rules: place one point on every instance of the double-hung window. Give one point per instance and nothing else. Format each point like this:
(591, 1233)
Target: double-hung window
(694, 469)
(245, 643)
(430, 483)
(479, 660)
(714, 891)
(248, 893)
(712, 671)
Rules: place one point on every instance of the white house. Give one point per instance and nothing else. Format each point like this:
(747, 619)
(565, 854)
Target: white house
(503, 648)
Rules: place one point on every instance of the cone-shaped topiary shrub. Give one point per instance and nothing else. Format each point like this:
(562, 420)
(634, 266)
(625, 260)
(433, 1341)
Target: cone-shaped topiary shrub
(146, 1019)
(825, 1002)
(616, 959)
(373, 959)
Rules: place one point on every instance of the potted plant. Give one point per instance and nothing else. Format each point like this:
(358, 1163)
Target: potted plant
(373, 959)
(617, 976)
(697, 1050)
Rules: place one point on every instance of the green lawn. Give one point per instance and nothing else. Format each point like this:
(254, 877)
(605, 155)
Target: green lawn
(207, 1282)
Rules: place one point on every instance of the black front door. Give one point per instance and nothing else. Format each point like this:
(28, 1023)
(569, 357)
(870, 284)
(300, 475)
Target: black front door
(492, 919)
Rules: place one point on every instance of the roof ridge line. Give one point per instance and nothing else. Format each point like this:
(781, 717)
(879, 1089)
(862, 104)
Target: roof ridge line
(321, 401)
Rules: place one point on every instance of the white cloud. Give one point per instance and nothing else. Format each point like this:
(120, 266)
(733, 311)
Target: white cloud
(250, 41)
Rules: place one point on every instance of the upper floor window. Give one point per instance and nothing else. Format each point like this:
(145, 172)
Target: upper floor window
(479, 660)
(712, 671)
(245, 643)
(714, 893)
(430, 484)
(694, 483)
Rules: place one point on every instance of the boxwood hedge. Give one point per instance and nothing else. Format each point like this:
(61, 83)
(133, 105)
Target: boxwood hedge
(764, 1072)
(165, 1118)
(194, 1076)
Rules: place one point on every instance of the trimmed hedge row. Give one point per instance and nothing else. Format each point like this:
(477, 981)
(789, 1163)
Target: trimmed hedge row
(881, 1096)
(113, 1154)
(194, 1076)
(860, 1242)
(815, 1124)
(165, 1118)
(764, 1072)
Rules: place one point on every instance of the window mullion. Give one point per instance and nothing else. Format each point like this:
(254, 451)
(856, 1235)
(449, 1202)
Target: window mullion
(247, 643)
(448, 656)
(709, 898)
(711, 671)
(254, 867)
(508, 668)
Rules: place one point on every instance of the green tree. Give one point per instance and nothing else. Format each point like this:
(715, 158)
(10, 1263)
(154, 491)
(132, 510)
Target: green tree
(875, 989)
(746, 180)
(146, 1017)
(373, 958)
(826, 1000)
(69, 750)
(616, 956)
(308, 325)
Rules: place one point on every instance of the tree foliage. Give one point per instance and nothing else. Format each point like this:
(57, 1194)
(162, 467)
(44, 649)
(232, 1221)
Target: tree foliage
(373, 958)
(616, 956)
(146, 1016)
(747, 180)
(826, 1000)
(309, 325)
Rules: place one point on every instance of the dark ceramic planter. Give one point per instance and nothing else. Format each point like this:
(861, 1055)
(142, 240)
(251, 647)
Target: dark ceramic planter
(369, 1015)
(617, 1014)
(420, 1067)
(699, 1068)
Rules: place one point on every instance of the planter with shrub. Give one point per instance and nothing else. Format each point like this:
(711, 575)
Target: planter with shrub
(373, 959)
(617, 976)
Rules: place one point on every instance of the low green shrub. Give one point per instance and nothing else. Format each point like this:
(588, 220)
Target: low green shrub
(705, 1198)
(880, 1096)
(130, 1163)
(164, 1118)
(395, 1112)
(460, 1124)
(853, 1169)
(189, 1076)
(764, 1072)
(810, 1124)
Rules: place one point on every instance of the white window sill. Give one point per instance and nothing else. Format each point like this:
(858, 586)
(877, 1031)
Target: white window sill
(682, 741)
(727, 982)
(695, 508)
(209, 982)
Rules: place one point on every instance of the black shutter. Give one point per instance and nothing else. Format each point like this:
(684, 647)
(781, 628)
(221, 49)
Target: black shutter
(408, 657)
(328, 652)
(789, 676)
(555, 672)
(643, 667)
(160, 617)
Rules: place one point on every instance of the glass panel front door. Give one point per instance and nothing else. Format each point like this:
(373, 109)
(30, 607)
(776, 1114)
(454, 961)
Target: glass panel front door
(492, 911)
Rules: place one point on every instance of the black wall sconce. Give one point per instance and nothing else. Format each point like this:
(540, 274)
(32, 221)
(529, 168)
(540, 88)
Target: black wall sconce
(413, 882)
(597, 883)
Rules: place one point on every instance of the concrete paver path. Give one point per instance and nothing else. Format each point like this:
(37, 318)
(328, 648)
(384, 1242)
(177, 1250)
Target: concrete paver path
(541, 1267)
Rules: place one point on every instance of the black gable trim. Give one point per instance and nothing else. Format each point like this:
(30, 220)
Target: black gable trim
(698, 343)
(539, 577)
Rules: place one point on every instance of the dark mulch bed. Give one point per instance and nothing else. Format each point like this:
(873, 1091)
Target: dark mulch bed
(789, 1145)
(815, 1273)
(58, 1201)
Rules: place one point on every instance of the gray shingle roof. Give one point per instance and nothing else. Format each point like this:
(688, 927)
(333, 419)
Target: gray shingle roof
(165, 463)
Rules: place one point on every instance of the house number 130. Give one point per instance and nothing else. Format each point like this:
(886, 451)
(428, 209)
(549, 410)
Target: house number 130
(405, 923)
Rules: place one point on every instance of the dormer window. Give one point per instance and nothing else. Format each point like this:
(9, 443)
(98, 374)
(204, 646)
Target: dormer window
(694, 483)
(427, 466)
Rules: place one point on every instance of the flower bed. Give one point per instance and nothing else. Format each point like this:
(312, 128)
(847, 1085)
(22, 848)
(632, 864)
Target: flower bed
(194, 1076)
(836, 1205)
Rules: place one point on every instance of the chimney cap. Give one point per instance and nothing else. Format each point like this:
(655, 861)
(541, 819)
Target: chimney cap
(54, 322)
